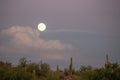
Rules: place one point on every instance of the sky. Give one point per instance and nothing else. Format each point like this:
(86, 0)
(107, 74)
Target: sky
(86, 30)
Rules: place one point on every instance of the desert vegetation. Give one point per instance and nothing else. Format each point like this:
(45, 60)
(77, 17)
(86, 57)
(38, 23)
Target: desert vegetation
(26, 70)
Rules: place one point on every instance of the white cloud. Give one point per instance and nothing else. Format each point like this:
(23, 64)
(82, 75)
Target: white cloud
(28, 37)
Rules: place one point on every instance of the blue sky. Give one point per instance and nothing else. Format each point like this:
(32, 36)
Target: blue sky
(86, 30)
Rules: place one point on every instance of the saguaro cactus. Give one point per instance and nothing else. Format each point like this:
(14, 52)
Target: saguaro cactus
(71, 65)
(57, 68)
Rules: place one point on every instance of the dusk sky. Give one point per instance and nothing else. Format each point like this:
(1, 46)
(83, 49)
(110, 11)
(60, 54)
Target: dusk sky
(86, 30)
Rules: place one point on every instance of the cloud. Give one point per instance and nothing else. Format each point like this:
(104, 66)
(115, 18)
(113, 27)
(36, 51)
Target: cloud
(20, 41)
(28, 37)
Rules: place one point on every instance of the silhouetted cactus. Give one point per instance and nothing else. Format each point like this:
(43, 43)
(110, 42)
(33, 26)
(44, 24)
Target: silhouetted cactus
(57, 68)
(71, 65)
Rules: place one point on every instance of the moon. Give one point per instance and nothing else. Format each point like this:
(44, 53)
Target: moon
(41, 27)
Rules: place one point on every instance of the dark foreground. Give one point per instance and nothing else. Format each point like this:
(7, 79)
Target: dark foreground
(26, 70)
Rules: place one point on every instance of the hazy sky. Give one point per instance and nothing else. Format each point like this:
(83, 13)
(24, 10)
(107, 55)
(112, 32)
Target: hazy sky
(86, 30)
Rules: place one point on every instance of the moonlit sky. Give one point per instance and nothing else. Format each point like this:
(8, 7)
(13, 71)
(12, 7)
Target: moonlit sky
(86, 30)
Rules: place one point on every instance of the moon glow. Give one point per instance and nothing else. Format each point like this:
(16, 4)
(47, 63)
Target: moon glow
(41, 27)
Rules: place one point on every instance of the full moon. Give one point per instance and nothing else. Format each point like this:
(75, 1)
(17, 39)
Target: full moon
(41, 27)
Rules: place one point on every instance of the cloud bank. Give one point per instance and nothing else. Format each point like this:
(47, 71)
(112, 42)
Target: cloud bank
(26, 36)
(20, 40)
